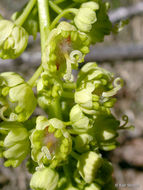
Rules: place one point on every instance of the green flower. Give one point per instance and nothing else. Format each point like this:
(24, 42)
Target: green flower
(66, 47)
(13, 40)
(50, 141)
(86, 16)
(104, 175)
(104, 131)
(14, 139)
(83, 142)
(44, 179)
(102, 26)
(48, 87)
(80, 123)
(95, 89)
(17, 101)
(88, 165)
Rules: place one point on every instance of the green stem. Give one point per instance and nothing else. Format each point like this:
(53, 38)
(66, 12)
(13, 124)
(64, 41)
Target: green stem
(67, 174)
(44, 20)
(59, 1)
(32, 81)
(54, 109)
(67, 95)
(69, 85)
(66, 11)
(25, 13)
(55, 7)
(75, 155)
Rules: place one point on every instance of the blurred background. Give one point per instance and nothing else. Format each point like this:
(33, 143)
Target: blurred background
(121, 54)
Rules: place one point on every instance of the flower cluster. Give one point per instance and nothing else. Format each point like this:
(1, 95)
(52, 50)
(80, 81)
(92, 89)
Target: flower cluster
(65, 143)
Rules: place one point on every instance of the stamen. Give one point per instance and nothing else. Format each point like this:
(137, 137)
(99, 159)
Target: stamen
(67, 76)
(118, 83)
(2, 110)
(73, 56)
(47, 153)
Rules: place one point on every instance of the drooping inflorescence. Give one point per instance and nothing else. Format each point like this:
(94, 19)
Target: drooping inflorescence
(65, 146)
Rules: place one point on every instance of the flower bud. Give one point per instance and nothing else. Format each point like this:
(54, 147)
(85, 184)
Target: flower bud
(80, 122)
(50, 141)
(66, 47)
(88, 165)
(15, 143)
(13, 40)
(17, 98)
(44, 179)
(86, 16)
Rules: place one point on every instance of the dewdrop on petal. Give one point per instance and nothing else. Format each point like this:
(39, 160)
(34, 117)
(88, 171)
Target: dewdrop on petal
(17, 98)
(13, 40)
(44, 179)
(88, 165)
(50, 141)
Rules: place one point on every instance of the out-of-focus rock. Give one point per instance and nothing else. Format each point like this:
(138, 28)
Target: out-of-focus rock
(131, 152)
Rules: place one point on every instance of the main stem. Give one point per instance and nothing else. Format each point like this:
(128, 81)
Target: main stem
(25, 13)
(54, 109)
(44, 20)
